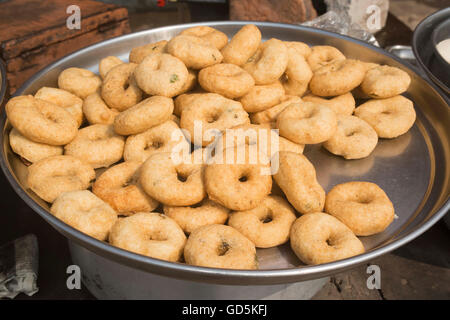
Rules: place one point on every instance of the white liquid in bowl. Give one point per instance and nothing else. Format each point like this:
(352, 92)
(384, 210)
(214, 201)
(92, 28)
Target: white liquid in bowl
(443, 48)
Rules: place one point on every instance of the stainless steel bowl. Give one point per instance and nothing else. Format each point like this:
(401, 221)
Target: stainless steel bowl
(413, 169)
(425, 49)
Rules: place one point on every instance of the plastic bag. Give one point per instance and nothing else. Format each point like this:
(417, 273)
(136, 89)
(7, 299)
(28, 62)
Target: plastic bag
(357, 19)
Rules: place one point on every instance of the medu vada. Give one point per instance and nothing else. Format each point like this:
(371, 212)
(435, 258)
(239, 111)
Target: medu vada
(219, 246)
(242, 46)
(337, 78)
(192, 217)
(226, 79)
(119, 89)
(144, 115)
(362, 206)
(385, 82)
(195, 52)
(52, 176)
(239, 183)
(161, 74)
(318, 238)
(390, 117)
(64, 99)
(85, 212)
(268, 63)
(81, 82)
(268, 225)
(296, 176)
(353, 139)
(217, 38)
(119, 187)
(41, 121)
(30, 150)
(307, 123)
(162, 138)
(213, 112)
(174, 184)
(150, 234)
(97, 145)
(97, 111)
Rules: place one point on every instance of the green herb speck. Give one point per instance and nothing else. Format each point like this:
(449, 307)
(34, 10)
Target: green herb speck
(173, 78)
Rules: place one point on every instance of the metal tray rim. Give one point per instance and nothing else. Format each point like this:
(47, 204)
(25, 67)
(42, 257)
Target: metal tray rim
(204, 274)
(3, 83)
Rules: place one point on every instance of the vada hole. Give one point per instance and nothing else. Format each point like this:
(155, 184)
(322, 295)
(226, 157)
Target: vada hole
(181, 177)
(97, 138)
(213, 117)
(284, 78)
(133, 180)
(154, 145)
(157, 237)
(223, 248)
(364, 201)
(268, 218)
(157, 144)
(51, 117)
(243, 178)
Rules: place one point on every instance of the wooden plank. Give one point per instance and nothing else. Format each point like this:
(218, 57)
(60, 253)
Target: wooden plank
(22, 17)
(42, 23)
(42, 55)
(60, 49)
(16, 47)
(286, 11)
